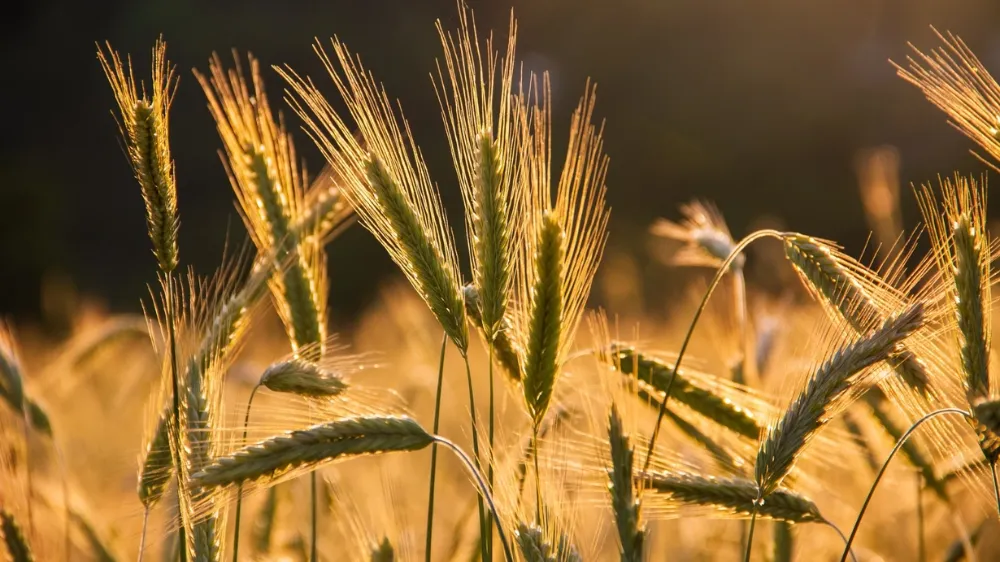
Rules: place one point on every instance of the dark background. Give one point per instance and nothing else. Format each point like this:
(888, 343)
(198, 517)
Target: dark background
(760, 106)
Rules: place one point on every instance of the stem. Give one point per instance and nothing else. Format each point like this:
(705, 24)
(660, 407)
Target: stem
(428, 545)
(920, 519)
(996, 485)
(841, 535)
(314, 554)
(489, 517)
(239, 490)
(475, 451)
(484, 492)
(181, 532)
(885, 465)
(142, 537)
(747, 356)
(694, 322)
(753, 523)
(538, 477)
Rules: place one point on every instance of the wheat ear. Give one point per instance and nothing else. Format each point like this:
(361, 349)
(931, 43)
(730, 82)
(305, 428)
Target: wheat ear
(954, 80)
(144, 128)
(700, 398)
(386, 181)
(731, 496)
(841, 377)
(14, 539)
(155, 466)
(625, 499)
(837, 282)
(383, 552)
(304, 378)
(537, 547)
(307, 448)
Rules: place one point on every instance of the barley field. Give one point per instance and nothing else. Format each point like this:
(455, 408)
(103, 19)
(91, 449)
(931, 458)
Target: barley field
(481, 408)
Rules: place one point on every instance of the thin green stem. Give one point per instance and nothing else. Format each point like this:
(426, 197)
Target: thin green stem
(694, 322)
(484, 492)
(428, 545)
(239, 490)
(475, 451)
(920, 519)
(753, 523)
(885, 465)
(538, 477)
(142, 537)
(840, 534)
(175, 376)
(489, 517)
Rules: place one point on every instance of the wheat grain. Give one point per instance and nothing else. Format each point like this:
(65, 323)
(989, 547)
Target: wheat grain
(834, 384)
(145, 130)
(307, 448)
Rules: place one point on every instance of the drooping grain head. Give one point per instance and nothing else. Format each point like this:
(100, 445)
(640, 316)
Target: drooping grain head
(304, 450)
(305, 378)
(705, 235)
(143, 121)
(954, 80)
(264, 172)
(386, 181)
(540, 545)
(956, 222)
(155, 462)
(563, 246)
(479, 118)
(987, 415)
(12, 389)
(854, 293)
(383, 552)
(840, 379)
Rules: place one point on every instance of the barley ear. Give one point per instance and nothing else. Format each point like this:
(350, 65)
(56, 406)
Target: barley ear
(541, 355)
(957, 226)
(307, 449)
(14, 539)
(485, 141)
(537, 547)
(837, 283)
(304, 378)
(730, 496)
(144, 128)
(625, 500)
(156, 464)
(955, 80)
(383, 552)
(843, 376)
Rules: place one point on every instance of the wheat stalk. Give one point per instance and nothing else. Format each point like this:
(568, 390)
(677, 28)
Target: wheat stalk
(144, 128)
(308, 448)
(733, 496)
(834, 384)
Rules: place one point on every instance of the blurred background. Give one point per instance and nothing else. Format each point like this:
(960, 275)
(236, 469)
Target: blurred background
(777, 110)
